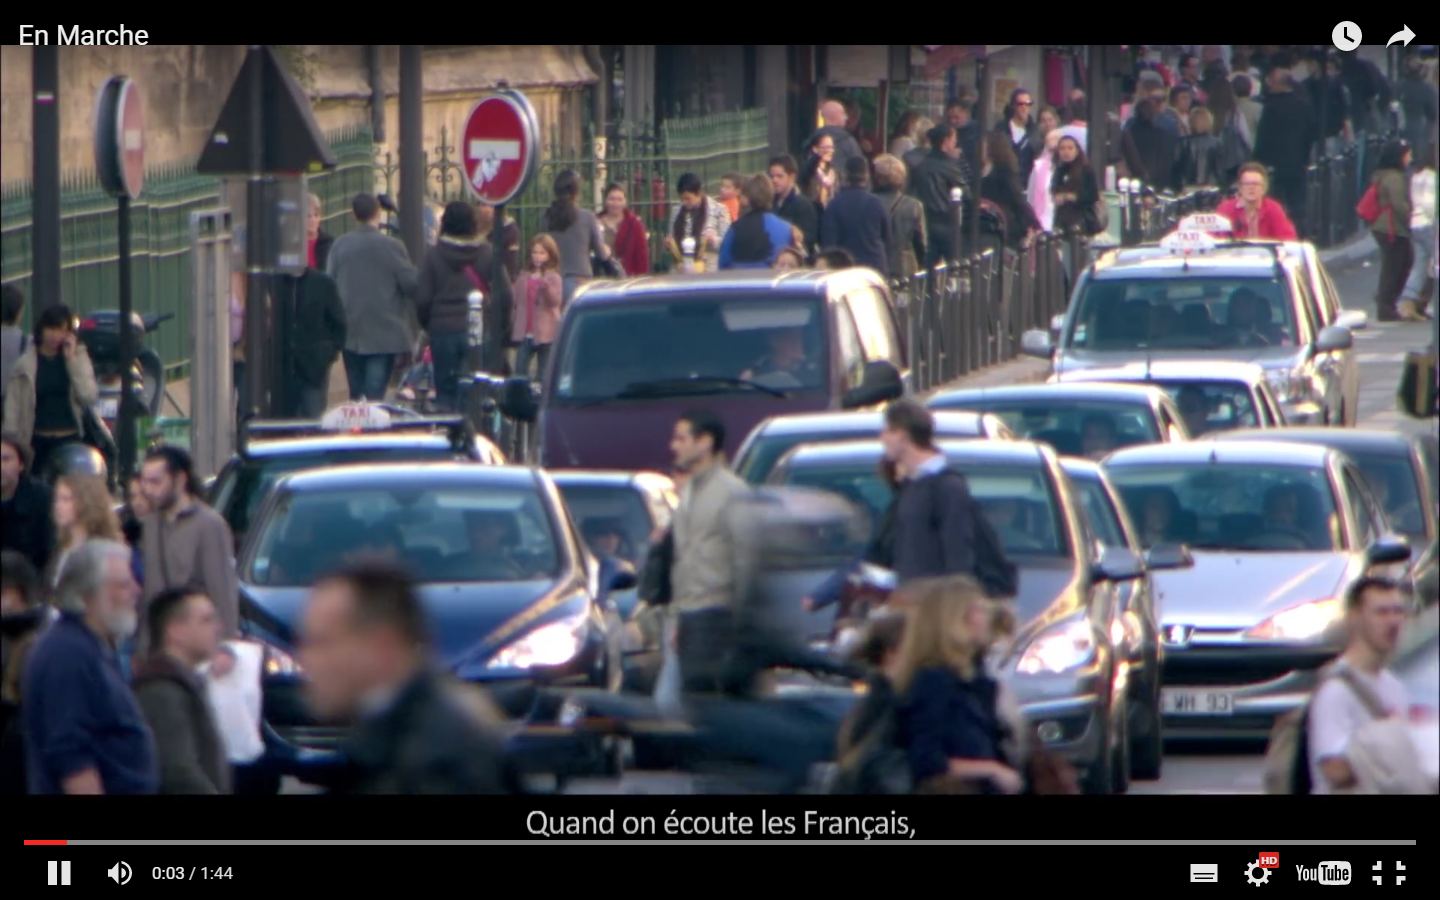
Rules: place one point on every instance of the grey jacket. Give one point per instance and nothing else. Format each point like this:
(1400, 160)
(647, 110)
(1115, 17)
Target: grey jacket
(707, 542)
(196, 550)
(20, 392)
(376, 281)
(177, 707)
(906, 249)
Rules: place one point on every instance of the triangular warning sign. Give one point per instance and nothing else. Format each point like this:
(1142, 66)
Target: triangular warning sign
(293, 141)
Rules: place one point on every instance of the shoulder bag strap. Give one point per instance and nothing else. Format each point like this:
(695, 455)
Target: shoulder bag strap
(1373, 705)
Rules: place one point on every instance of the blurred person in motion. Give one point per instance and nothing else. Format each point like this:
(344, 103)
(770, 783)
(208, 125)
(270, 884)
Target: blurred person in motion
(1346, 753)
(1252, 214)
(172, 694)
(460, 262)
(907, 243)
(856, 221)
(52, 386)
(756, 238)
(376, 280)
(1420, 284)
(703, 576)
(1391, 230)
(1283, 142)
(624, 232)
(26, 505)
(700, 218)
(23, 616)
(367, 654)
(509, 240)
(84, 731)
(939, 528)
(653, 621)
(539, 299)
(187, 544)
(1038, 192)
(13, 339)
(576, 232)
(951, 721)
(931, 182)
(792, 205)
(880, 552)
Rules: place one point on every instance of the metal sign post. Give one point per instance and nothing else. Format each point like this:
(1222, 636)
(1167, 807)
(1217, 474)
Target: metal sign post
(212, 394)
(120, 165)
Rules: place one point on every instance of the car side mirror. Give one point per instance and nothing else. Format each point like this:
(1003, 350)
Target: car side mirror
(1334, 338)
(1169, 556)
(1353, 319)
(1387, 550)
(517, 400)
(1119, 564)
(881, 383)
(1037, 343)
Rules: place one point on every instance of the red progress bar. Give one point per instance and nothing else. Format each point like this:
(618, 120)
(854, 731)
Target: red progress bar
(60, 843)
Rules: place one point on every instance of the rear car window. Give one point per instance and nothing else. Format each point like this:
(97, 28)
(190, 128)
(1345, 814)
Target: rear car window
(1184, 313)
(610, 516)
(1214, 405)
(1062, 422)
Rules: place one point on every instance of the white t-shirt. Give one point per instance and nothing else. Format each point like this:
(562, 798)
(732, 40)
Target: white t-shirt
(1017, 132)
(1336, 714)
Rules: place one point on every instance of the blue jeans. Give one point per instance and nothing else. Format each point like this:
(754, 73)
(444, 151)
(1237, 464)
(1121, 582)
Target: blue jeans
(368, 374)
(1424, 265)
(448, 352)
(527, 351)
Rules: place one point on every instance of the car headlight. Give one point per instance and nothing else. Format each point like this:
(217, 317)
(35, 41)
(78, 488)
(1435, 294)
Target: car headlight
(278, 662)
(549, 645)
(1059, 650)
(1288, 385)
(1298, 623)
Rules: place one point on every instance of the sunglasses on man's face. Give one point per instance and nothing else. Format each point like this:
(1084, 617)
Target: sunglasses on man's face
(1023, 103)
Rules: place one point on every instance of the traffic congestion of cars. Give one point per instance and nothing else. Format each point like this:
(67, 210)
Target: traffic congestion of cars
(1184, 497)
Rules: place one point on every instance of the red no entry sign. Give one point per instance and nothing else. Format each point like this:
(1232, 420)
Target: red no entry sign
(120, 137)
(500, 146)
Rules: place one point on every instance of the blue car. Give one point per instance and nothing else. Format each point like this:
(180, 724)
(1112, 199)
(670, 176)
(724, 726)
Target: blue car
(516, 601)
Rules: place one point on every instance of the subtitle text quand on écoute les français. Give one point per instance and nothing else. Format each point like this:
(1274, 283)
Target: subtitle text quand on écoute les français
(76, 36)
(541, 824)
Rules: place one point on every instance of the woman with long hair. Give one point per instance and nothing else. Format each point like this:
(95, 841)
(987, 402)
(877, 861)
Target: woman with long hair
(1074, 189)
(624, 232)
(538, 306)
(819, 179)
(951, 720)
(902, 139)
(83, 511)
(1391, 229)
(698, 217)
(1000, 185)
(576, 232)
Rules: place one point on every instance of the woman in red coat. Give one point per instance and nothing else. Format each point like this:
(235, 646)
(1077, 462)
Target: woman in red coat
(1254, 215)
(625, 233)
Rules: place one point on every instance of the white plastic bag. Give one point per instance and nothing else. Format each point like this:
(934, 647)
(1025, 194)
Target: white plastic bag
(235, 699)
(668, 684)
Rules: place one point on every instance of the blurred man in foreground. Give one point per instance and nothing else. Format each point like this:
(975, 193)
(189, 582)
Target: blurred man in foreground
(366, 650)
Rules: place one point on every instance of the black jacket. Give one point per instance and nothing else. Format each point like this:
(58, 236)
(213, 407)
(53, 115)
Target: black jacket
(1197, 161)
(28, 528)
(969, 137)
(1025, 149)
(317, 328)
(941, 530)
(857, 222)
(1154, 149)
(1286, 134)
(323, 243)
(427, 742)
(930, 183)
(1002, 188)
(1329, 96)
(442, 297)
(1077, 179)
(944, 717)
(800, 212)
(177, 708)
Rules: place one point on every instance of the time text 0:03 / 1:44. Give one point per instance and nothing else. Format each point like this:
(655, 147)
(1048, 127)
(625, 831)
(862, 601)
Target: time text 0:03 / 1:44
(191, 873)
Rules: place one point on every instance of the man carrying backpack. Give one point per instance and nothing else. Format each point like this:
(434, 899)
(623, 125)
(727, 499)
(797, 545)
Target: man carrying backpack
(939, 529)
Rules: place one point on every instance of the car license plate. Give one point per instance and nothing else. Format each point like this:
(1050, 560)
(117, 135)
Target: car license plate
(109, 407)
(1180, 702)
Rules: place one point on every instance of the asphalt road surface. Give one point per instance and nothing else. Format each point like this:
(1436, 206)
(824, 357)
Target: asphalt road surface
(1206, 768)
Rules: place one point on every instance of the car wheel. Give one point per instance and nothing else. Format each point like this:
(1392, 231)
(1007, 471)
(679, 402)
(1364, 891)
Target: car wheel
(1120, 763)
(1147, 748)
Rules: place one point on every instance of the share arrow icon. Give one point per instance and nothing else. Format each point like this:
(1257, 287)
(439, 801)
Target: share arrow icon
(1404, 36)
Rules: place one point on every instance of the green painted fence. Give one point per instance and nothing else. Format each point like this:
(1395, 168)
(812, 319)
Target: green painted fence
(160, 242)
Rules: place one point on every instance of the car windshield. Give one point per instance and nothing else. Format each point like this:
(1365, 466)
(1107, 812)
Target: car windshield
(1184, 313)
(1217, 506)
(760, 459)
(614, 520)
(238, 493)
(1209, 406)
(1100, 511)
(1393, 481)
(688, 346)
(446, 535)
(1077, 427)
(1019, 502)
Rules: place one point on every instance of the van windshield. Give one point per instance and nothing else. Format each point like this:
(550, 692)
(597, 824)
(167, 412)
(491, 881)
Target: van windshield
(684, 347)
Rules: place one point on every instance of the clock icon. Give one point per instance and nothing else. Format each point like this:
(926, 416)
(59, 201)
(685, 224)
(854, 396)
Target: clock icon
(1346, 36)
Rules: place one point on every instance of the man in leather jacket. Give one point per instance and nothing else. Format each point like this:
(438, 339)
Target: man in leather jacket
(931, 182)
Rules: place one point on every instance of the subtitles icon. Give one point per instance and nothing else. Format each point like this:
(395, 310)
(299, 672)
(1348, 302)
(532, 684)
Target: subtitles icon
(1204, 872)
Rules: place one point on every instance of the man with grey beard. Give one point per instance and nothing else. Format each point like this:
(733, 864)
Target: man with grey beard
(84, 731)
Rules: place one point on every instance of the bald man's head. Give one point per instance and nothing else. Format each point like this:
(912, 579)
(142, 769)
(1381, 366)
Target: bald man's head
(833, 112)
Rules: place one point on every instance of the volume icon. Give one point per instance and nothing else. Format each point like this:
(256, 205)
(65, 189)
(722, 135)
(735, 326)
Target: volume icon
(120, 873)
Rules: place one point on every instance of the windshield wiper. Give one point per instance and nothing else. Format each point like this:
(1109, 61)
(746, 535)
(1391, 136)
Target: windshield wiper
(680, 386)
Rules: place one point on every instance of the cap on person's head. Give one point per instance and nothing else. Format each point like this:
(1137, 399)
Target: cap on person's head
(857, 170)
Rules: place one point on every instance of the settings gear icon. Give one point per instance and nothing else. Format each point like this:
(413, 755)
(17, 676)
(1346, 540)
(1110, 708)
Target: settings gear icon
(1250, 874)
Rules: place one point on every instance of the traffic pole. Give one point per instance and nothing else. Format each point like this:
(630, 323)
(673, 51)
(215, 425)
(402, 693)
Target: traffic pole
(412, 151)
(256, 289)
(45, 170)
(125, 416)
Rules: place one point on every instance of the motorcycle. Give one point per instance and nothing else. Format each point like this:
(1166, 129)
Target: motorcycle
(100, 332)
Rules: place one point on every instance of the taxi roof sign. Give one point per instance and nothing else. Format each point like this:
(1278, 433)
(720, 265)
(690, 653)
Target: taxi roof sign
(1210, 223)
(356, 417)
(1188, 242)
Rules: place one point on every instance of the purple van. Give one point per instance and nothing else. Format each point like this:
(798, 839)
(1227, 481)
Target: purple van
(632, 356)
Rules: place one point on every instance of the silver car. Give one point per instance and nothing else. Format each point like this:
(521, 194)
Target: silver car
(1246, 302)
(1212, 396)
(1277, 532)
